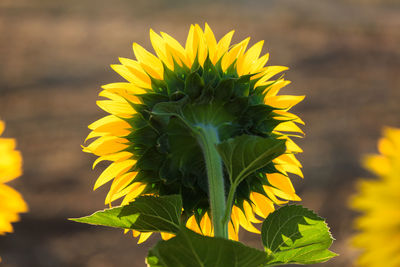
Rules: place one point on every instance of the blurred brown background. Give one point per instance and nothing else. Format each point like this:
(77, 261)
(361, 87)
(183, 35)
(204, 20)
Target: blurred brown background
(54, 55)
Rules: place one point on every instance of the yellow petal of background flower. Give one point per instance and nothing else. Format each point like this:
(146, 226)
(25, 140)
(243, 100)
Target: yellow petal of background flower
(11, 202)
(379, 201)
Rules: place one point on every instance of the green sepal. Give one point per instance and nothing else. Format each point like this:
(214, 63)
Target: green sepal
(210, 73)
(224, 89)
(150, 99)
(145, 214)
(296, 235)
(173, 79)
(242, 86)
(188, 248)
(194, 85)
(150, 160)
(145, 136)
(159, 86)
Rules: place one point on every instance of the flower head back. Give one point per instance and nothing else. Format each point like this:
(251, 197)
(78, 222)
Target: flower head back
(204, 83)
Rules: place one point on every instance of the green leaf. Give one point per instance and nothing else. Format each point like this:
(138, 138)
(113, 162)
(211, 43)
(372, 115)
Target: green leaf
(294, 234)
(191, 249)
(145, 214)
(245, 154)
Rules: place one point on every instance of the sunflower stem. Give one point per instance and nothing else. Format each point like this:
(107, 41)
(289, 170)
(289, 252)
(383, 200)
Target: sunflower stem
(208, 138)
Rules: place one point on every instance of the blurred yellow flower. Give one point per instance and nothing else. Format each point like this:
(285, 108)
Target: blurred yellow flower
(151, 156)
(11, 202)
(379, 202)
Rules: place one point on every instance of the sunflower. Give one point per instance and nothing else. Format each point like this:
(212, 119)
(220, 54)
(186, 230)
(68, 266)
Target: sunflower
(154, 155)
(379, 201)
(11, 202)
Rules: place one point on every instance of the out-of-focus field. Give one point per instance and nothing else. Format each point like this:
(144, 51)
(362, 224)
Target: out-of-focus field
(54, 55)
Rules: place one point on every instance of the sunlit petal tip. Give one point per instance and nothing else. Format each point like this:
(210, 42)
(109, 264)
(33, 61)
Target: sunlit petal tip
(122, 59)
(85, 149)
(143, 237)
(115, 66)
(135, 45)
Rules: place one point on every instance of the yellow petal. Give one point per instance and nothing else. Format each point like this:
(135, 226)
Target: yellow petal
(263, 206)
(292, 147)
(206, 226)
(202, 50)
(191, 45)
(115, 169)
(106, 145)
(285, 168)
(176, 50)
(121, 182)
(111, 124)
(133, 194)
(2, 127)
(151, 64)
(134, 233)
(120, 109)
(245, 62)
(119, 96)
(193, 225)
(123, 86)
(15, 203)
(234, 235)
(113, 157)
(143, 237)
(281, 182)
(245, 223)
(211, 41)
(235, 219)
(159, 47)
(285, 195)
(378, 164)
(258, 65)
(235, 52)
(222, 46)
(283, 101)
(270, 72)
(288, 126)
(271, 195)
(248, 210)
(288, 159)
(132, 73)
(94, 135)
(282, 114)
(134, 188)
(166, 236)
